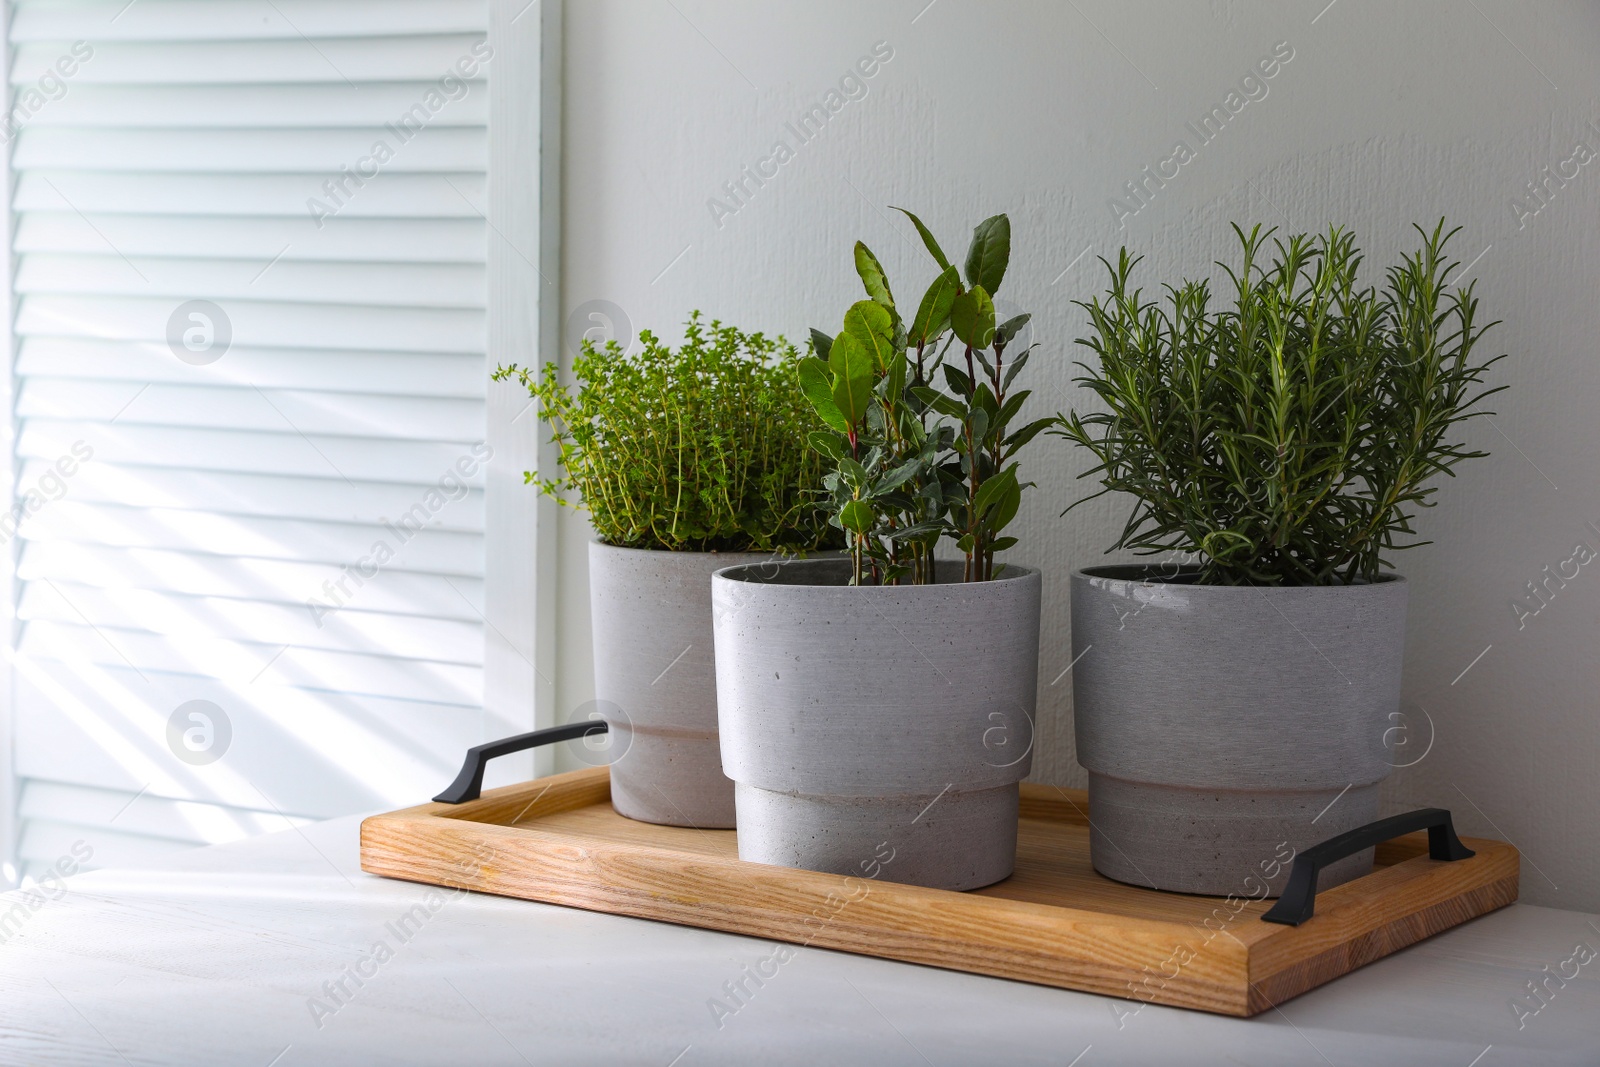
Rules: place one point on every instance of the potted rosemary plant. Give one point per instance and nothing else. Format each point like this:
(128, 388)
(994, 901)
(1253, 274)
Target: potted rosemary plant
(1233, 699)
(877, 710)
(687, 460)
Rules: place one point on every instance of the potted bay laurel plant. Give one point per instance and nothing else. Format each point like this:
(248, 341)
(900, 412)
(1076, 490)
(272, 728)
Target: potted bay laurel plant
(687, 459)
(877, 710)
(1232, 700)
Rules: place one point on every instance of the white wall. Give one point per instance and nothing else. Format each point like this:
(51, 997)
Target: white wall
(1386, 115)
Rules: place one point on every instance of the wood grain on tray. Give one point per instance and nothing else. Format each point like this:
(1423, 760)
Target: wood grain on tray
(1054, 922)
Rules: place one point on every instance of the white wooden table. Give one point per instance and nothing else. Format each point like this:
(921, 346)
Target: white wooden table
(235, 955)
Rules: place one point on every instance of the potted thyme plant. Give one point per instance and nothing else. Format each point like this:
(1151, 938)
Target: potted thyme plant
(877, 711)
(1232, 707)
(687, 459)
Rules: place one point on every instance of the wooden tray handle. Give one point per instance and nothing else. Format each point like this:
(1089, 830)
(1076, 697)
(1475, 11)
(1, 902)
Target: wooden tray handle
(1299, 897)
(469, 783)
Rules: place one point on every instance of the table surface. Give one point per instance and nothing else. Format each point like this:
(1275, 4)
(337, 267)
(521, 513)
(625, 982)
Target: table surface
(279, 952)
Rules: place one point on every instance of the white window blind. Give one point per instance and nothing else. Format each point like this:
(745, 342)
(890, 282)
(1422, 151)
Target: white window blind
(292, 531)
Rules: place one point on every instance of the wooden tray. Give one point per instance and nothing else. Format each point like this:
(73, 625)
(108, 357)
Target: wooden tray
(1055, 921)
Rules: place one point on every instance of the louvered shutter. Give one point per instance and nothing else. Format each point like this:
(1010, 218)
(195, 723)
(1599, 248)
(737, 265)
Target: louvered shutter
(202, 150)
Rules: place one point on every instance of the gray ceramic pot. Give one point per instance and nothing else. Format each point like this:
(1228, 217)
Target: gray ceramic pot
(655, 683)
(1225, 728)
(877, 731)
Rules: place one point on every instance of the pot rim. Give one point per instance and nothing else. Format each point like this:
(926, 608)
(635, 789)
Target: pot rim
(1104, 572)
(776, 556)
(1012, 572)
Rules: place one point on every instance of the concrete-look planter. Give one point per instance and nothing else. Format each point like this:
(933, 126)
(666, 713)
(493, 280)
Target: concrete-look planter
(655, 682)
(1222, 726)
(877, 731)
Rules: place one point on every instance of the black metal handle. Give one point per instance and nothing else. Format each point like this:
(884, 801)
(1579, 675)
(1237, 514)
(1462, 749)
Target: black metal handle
(469, 783)
(1299, 897)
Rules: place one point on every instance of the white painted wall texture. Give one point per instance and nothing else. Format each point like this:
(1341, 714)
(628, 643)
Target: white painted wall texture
(1375, 116)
